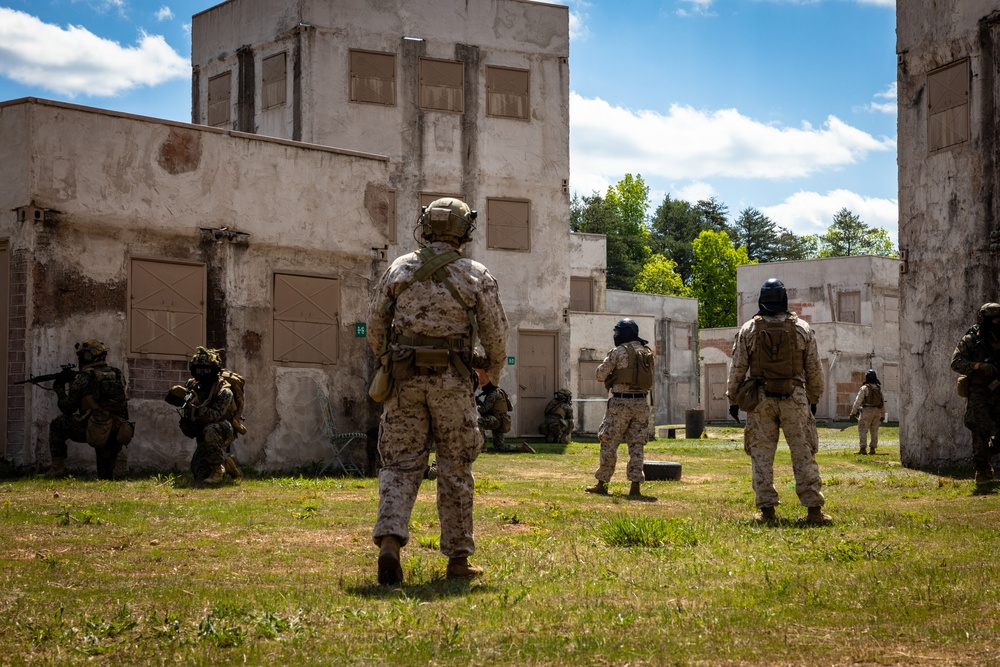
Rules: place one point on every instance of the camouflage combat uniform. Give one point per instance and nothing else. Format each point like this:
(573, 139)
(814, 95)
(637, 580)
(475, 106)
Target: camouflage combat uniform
(494, 419)
(95, 382)
(433, 406)
(558, 424)
(215, 433)
(625, 419)
(982, 411)
(791, 414)
(869, 416)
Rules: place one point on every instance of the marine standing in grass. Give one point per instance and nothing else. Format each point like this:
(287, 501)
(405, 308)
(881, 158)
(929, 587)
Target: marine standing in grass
(977, 356)
(627, 371)
(426, 313)
(869, 408)
(777, 350)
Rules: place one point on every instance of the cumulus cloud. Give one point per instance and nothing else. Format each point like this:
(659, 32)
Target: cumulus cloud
(696, 8)
(688, 144)
(164, 14)
(812, 212)
(73, 61)
(886, 100)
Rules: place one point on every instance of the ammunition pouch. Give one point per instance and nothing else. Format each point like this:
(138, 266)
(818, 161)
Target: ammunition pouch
(433, 359)
(126, 431)
(747, 396)
(99, 427)
(779, 386)
(401, 363)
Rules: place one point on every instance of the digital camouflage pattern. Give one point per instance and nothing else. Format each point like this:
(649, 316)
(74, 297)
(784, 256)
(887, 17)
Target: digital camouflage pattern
(982, 410)
(791, 415)
(492, 404)
(436, 408)
(558, 422)
(869, 416)
(209, 412)
(96, 383)
(625, 420)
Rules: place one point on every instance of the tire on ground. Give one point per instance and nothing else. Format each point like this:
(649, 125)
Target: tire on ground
(661, 470)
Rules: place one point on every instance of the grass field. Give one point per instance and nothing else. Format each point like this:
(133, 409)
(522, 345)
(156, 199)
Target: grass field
(281, 570)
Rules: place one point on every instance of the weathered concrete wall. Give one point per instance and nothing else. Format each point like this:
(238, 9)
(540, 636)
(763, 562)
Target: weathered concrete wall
(588, 256)
(117, 187)
(947, 210)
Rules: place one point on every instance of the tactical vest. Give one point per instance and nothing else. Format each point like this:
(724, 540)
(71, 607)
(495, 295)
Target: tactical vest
(110, 386)
(638, 371)
(873, 397)
(777, 355)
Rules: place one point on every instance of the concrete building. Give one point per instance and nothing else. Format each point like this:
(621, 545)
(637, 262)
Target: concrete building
(948, 210)
(852, 303)
(262, 228)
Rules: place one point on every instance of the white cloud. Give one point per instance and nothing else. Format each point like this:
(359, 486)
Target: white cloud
(889, 105)
(164, 14)
(692, 192)
(74, 61)
(687, 144)
(696, 8)
(812, 212)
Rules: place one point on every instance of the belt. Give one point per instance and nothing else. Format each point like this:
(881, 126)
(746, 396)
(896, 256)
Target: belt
(773, 395)
(641, 394)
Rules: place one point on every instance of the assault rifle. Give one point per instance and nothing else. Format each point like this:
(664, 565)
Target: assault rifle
(61, 377)
(180, 397)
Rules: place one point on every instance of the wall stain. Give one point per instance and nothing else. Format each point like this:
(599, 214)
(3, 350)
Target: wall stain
(181, 152)
(61, 291)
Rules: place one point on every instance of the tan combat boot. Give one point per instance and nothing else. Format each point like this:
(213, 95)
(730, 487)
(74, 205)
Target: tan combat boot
(57, 469)
(233, 469)
(217, 476)
(862, 451)
(767, 515)
(390, 570)
(818, 516)
(600, 488)
(459, 568)
(526, 448)
(634, 489)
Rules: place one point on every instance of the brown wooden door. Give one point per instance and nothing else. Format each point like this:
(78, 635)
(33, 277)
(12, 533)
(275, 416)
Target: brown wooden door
(536, 377)
(716, 379)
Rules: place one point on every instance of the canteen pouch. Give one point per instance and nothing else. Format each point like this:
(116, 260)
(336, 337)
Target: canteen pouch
(381, 385)
(962, 386)
(747, 396)
(126, 430)
(99, 428)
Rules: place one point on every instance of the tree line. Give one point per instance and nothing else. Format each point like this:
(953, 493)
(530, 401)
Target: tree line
(692, 250)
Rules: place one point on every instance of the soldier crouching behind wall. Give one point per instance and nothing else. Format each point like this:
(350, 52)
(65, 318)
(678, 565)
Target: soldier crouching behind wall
(977, 358)
(209, 410)
(94, 410)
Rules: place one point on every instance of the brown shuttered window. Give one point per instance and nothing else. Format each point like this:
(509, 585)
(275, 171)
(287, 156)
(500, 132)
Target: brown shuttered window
(373, 77)
(507, 92)
(166, 307)
(442, 85)
(274, 90)
(219, 100)
(306, 313)
(948, 106)
(507, 224)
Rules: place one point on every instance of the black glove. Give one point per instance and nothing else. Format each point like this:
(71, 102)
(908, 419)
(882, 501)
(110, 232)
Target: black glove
(734, 411)
(987, 370)
(812, 408)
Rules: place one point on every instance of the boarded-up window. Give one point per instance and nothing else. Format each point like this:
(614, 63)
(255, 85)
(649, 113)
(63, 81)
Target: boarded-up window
(948, 106)
(507, 224)
(849, 307)
(306, 312)
(581, 295)
(373, 77)
(166, 307)
(219, 96)
(442, 85)
(506, 92)
(589, 386)
(274, 90)
(892, 310)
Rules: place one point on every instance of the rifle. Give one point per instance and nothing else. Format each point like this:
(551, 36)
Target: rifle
(180, 397)
(995, 384)
(61, 377)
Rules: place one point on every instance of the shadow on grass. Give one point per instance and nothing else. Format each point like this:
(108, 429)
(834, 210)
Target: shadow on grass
(436, 589)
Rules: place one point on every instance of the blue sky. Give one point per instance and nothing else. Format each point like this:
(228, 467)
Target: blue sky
(787, 106)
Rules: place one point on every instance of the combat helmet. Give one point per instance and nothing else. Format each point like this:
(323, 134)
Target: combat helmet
(773, 298)
(988, 311)
(447, 218)
(564, 394)
(90, 351)
(205, 362)
(871, 377)
(627, 330)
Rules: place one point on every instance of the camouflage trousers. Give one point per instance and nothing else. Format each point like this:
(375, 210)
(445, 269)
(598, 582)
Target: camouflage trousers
(868, 422)
(556, 430)
(422, 411)
(760, 440)
(982, 418)
(210, 452)
(625, 419)
(493, 424)
(66, 427)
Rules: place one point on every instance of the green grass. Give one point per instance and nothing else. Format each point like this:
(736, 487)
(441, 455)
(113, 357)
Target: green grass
(281, 570)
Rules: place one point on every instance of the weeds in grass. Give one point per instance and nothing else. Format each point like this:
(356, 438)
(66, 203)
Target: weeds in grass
(639, 530)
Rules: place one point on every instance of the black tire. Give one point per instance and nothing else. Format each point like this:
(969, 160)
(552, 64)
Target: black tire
(661, 470)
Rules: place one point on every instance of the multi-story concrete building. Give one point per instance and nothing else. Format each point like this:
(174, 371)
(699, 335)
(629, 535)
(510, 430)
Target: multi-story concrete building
(262, 227)
(852, 303)
(949, 210)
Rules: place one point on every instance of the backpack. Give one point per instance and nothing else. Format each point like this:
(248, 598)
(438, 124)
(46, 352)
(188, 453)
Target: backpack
(873, 397)
(236, 383)
(503, 402)
(775, 355)
(640, 367)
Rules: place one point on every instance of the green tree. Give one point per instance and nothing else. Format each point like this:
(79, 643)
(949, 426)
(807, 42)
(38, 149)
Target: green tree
(849, 236)
(766, 241)
(620, 216)
(714, 278)
(674, 226)
(659, 276)
(714, 215)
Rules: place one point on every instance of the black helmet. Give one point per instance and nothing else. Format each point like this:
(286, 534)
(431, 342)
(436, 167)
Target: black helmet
(627, 330)
(773, 297)
(871, 378)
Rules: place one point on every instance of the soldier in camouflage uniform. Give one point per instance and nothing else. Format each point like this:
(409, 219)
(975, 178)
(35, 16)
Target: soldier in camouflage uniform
(977, 356)
(869, 409)
(558, 424)
(207, 418)
(94, 410)
(627, 414)
(778, 351)
(426, 313)
(494, 413)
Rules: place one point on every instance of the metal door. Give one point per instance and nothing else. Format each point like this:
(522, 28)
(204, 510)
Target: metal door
(536, 377)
